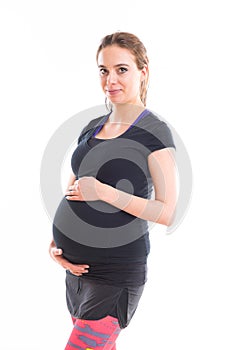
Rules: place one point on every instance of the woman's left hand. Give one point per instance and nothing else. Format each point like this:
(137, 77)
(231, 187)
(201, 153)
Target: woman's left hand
(86, 188)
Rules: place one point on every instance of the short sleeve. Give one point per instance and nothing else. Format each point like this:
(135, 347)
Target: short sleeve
(160, 137)
(154, 133)
(83, 132)
(90, 127)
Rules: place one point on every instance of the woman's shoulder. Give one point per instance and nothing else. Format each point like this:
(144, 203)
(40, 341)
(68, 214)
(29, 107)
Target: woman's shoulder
(92, 124)
(153, 121)
(155, 132)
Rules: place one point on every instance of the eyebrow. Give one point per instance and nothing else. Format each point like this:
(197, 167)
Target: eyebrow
(117, 65)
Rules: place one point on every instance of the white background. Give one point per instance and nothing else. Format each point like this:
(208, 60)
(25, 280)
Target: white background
(48, 74)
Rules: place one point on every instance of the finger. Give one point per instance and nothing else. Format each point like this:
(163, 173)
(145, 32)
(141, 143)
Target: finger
(77, 273)
(78, 269)
(72, 188)
(57, 251)
(74, 198)
(71, 192)
(82, 271)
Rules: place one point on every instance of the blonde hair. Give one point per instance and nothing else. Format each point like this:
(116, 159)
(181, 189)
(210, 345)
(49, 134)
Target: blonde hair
(135, 46)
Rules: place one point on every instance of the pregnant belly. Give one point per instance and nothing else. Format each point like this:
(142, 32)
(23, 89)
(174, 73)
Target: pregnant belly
(95, 224)
(68, 236)
(69, 230)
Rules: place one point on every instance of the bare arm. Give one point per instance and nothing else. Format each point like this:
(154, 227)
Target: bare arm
(161, 209)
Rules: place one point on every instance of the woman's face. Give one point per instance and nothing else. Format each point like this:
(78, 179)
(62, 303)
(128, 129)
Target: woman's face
(120, 78)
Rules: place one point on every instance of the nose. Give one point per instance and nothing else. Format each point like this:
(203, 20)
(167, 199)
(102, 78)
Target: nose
(111, 78)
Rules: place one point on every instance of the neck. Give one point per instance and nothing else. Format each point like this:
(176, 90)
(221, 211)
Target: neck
(124, 112)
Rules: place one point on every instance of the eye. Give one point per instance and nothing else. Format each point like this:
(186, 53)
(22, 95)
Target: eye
(103, 71)
(122, 70)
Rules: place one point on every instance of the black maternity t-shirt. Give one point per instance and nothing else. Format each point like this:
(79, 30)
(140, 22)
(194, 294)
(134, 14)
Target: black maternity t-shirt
(113, 243)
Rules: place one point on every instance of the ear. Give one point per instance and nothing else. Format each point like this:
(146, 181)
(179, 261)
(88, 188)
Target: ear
(144, 72)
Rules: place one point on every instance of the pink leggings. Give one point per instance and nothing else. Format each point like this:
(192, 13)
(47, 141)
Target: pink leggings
(94, 335)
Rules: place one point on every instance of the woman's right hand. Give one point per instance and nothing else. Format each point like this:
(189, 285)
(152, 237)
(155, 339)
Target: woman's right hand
(57, 255)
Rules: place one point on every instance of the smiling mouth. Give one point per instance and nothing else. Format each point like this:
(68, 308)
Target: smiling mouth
(113, 92)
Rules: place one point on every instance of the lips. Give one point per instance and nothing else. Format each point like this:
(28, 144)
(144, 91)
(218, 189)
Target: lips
(113, 92)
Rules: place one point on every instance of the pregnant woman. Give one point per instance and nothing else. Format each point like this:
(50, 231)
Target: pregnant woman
(123, 177)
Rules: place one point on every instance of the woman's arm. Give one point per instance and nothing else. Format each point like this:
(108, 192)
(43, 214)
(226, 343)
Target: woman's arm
(161, 209)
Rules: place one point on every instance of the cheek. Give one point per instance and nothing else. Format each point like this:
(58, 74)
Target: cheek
(134, 84)
(134, 78)
(103, 82)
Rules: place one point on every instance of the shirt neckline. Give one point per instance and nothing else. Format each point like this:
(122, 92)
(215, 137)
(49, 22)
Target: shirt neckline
(140, 116)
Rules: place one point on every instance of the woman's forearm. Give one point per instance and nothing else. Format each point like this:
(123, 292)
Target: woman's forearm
(146, 209)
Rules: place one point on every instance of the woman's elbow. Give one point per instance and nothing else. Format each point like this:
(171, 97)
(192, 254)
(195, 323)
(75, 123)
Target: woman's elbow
(167, 216)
